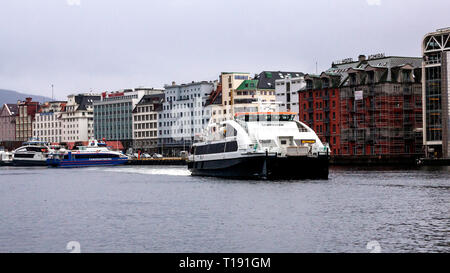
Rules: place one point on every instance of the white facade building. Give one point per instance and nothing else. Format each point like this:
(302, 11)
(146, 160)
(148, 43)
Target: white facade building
(145, 122)
(48, 124)
(78, 119)
(286, 92)
(184, 115)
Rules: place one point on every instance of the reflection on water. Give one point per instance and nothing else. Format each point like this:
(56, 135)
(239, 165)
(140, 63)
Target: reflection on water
(164, 209)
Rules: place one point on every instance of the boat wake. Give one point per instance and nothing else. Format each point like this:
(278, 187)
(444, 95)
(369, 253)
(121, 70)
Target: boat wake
(176, 171)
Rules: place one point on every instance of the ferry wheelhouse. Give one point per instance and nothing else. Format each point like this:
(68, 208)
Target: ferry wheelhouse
(261, 145)
(32, 153)
(95, 154)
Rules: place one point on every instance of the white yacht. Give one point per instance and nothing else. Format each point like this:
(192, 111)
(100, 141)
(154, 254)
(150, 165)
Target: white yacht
(267, 145)
(5, 158)
(32, 153)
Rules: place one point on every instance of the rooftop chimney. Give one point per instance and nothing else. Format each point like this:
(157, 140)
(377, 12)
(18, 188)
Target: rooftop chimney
(361, 58)
(28, 99)
(173, 83)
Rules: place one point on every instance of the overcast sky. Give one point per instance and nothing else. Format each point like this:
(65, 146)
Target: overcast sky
(106, 45)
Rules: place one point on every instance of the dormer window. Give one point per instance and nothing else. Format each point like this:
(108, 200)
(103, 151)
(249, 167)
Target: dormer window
(371, 76)
(326, 83)
(309, 84)
(406, 75)
(352, 79)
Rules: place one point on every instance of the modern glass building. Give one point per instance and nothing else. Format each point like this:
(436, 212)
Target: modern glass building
(435, 93)
(113, 115)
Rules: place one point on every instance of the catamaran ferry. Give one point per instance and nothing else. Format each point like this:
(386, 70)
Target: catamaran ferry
(260, 145)
(95, 154)
(32, 153)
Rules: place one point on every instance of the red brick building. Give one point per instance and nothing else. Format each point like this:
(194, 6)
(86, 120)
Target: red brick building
(319, 107)
(25, 117)
(367, 107)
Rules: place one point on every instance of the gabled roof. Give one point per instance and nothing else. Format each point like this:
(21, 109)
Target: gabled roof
(84, 100)
(11, 108)
(380, 63)
(157, 98)
(266, 79)
(248, 85)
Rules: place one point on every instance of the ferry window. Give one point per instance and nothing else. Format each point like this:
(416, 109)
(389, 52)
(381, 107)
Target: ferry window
(286, 117)
(201, 150)
(216, 148)
(231, 146)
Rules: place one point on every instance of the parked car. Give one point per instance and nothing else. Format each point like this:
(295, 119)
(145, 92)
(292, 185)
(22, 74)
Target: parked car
(145, 155)
(184, 154)
(155, 155)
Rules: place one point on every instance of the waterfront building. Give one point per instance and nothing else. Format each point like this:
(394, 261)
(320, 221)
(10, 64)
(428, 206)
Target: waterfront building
(238, 92)
(183, 116)
(78, 119)
(113, 114)
(26, 111)
(436, 93)
(145, 122)
(286, 92)
(222, 100)
(48, 125)
(319, 107)
(376, 108)
(8, 115)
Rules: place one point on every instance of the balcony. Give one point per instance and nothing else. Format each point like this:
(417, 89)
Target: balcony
(326, 109)
(310, 99)
(326, 97)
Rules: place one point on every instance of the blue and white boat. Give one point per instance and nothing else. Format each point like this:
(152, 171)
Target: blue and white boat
(95, 154)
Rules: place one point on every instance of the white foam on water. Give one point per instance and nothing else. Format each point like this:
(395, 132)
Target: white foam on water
(150, 170)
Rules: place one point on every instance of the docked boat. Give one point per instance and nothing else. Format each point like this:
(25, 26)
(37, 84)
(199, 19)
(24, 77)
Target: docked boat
(95, 154)
(31, 153)
(260, 145)
(5, 158)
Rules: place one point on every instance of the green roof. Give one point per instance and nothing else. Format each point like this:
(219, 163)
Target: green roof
(248, 85)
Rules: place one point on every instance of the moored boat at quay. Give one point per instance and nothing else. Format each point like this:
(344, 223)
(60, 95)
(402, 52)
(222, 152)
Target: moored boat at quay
(32, 153)
(260, 145)
(95, 154)
(5, 158)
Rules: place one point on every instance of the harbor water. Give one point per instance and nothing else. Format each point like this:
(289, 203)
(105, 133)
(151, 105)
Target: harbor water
(164, 209)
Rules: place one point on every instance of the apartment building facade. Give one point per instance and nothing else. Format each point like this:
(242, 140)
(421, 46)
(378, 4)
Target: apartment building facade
(8, 115)
(78, 118)
(183, 116)
(286, 92)
(113, 114)
(145, 123)
(26, 111)
(48, 125)
(319, 107)
(369, 107)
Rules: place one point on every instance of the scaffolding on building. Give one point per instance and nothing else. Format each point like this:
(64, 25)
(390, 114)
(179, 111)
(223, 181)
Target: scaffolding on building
(380, 120)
